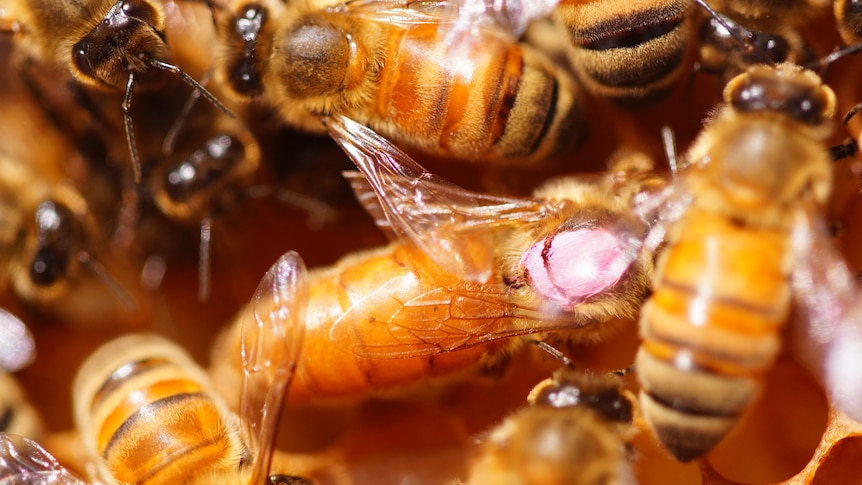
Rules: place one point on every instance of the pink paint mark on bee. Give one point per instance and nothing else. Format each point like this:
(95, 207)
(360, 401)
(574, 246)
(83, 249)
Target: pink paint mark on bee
(575, 265)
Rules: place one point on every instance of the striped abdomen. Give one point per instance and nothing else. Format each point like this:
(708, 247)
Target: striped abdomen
(144, 410)
(486, 99)
(710, 329)
(626, 51)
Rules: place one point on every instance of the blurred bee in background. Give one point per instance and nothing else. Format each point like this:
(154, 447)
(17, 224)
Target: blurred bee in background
(146, 412)
(575, 431)
(628, 52)
(406, 69)
(770, 15)
(17, 350)
(848, 15)
(49, 237)
(742, 224)
(467, 272)
(728, 47)
(203, 177)
(17, 415)
(105, 44)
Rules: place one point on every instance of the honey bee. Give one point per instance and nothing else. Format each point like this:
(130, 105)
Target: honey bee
(48, 235)
(728, 47)
(628, 52)
(470, 271)
(105, 44)
(574, 431)
(743, 224)
(205, 177)
(147, 414)
(407, 70)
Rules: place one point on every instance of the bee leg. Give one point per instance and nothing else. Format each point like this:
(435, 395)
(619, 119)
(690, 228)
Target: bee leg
(130, 130)
(554, 352)
(204, 259)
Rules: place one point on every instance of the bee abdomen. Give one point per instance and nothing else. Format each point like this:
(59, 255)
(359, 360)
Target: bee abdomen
(500, 101)
(700, 364)
(138, 452)
(630, 56)
(143, 408)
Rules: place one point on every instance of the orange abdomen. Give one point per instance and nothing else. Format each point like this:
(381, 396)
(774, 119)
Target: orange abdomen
(488, 99)
(359, 338)
(711, 328)
(148, 419)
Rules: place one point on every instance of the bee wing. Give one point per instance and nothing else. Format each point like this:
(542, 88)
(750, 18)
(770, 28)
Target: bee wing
(829, 332)
(513, 16)
(447, 319)
(24, 462)
(270, 351)
(448, 223)
(17, 347)
(654, 212)
(394, 12)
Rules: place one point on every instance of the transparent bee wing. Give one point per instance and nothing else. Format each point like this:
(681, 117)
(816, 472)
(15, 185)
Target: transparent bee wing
(448, 223)
(367, 197)
(656, 212)
(394, 12)
(829, 332)
(17, 347)
(447, 319)
(270, 351)
(513, 16)
(24, 462)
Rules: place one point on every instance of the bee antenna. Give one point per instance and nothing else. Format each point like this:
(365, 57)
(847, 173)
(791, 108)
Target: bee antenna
(555, 352)
(194, 84)
(851, 113)
(104, 275)
(171, 137)
(832, 57)
(733, 29)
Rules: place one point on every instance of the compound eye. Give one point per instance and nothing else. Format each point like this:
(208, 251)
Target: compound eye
(47, 266)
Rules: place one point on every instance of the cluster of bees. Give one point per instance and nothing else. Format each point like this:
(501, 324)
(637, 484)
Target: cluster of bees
(642, 312)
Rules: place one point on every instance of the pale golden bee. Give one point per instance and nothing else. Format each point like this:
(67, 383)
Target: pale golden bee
(575, 431)
(745, 237)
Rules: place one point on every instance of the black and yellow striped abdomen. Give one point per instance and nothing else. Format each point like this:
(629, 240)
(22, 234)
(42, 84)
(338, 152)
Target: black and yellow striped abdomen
(145, 410)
